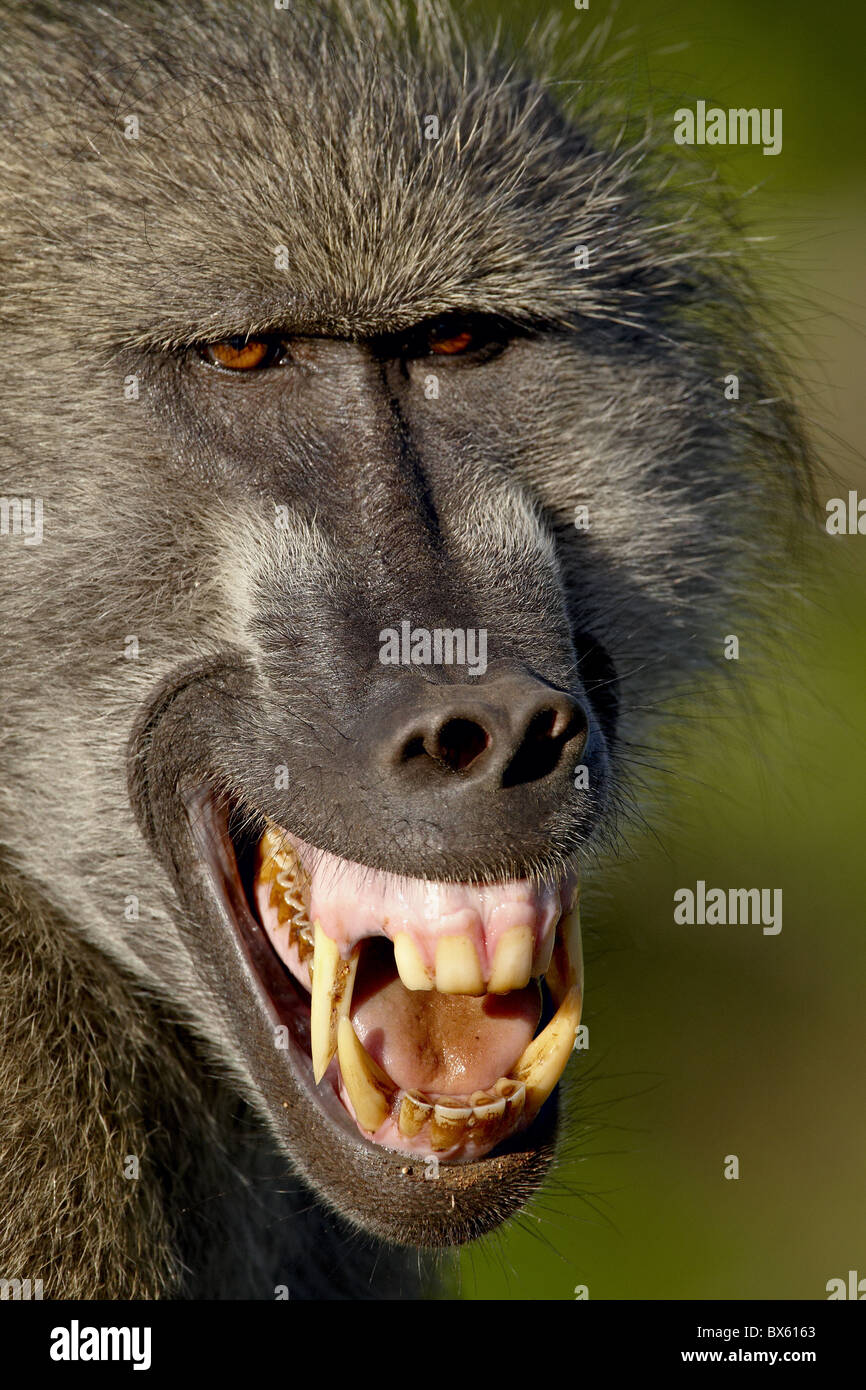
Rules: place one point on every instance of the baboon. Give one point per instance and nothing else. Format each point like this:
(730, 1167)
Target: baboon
(339, 347)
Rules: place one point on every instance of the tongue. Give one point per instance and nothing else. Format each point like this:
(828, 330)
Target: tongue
(449, 1044)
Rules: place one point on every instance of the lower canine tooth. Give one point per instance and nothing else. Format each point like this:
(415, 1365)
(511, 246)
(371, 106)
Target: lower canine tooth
(544, 1061)
(371, 1091)
(410, 963)
(414, 1114)
(512, 961)
(333, 982)
(458, 969)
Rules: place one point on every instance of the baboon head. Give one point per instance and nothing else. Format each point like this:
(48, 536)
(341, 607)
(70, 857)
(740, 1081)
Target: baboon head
(376, 405)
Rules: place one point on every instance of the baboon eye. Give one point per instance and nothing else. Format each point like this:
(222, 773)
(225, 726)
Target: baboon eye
(452, 343)
(457, 335)
(240, 354)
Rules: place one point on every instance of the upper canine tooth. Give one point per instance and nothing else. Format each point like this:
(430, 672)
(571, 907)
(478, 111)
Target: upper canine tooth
(543, 955)
(371, 1090)
(566, 967)
(410, 963)
(512, 961)
(458, 969)
(543, 1062)
(333, 981)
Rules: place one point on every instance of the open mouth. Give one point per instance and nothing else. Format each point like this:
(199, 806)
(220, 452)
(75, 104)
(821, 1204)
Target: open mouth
(439, 1017)
(375, 1022)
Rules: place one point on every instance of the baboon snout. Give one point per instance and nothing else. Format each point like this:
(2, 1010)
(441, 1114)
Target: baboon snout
(503, 732)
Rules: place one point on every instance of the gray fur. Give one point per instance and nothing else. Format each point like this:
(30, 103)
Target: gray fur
(302, 128)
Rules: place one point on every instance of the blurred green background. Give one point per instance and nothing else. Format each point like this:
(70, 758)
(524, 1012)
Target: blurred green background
(708, 1041)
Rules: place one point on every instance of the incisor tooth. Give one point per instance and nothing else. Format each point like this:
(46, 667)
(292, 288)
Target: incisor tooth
(449, 1123)
(458, 969)
(371, 1091)
(485, 1106)
(410, 963)
(543, 1062)
(514, 1094)
(333, 981)
(512, 961)
(415, 1111)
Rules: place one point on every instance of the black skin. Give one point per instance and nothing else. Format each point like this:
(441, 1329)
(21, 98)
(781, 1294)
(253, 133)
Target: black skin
(376, 471)
(450, 774)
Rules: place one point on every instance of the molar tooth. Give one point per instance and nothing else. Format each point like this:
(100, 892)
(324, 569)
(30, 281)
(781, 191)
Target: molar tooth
(272, 841)
(458, 969)
(275, 854)
(410, 963)
(543, 1062)
(371, 1091)
(415, 1111)
(333, 981)
(305, 945)
(449, 1123)
(512, 961)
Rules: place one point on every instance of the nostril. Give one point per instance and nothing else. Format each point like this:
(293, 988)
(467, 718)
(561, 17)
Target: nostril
(515, 731)
(457, 743)
(545, 737)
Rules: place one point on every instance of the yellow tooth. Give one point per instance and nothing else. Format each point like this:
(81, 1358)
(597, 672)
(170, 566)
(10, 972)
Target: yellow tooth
(448, 1123)
(543, 955)
(415, 1111)
(458, 969)
(543, 1062)
(566, 967)
(410, 963)
(512, 961)
(275, 853)
(333, 982)
(515, 1097)
(371, 1091)
(485, 1106)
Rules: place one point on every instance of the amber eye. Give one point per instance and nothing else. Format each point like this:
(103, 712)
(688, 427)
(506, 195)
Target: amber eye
(452, 342)
(239, 354)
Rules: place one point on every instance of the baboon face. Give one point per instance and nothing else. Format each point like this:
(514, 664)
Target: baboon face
(338, 688)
